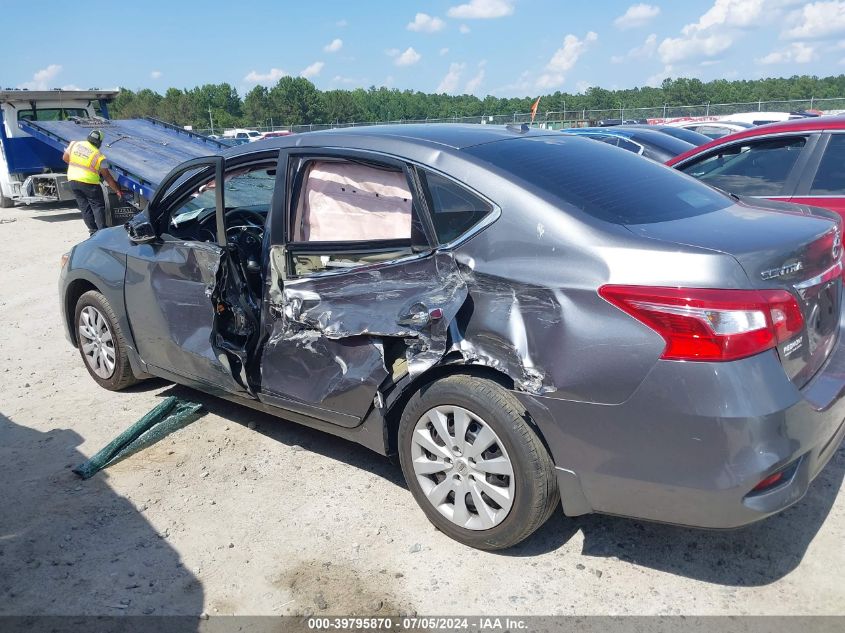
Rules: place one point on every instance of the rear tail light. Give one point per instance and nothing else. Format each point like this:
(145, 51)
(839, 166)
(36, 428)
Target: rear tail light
(705, 324)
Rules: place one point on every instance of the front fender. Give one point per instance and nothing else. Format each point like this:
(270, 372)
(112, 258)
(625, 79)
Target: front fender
(98, 263)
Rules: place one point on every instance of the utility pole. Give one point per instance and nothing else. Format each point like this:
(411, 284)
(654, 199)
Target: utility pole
(210, 120)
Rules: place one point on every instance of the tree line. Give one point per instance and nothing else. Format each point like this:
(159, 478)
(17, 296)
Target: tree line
(296, 101)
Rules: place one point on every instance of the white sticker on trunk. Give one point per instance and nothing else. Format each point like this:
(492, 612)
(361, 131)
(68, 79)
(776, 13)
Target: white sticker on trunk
(792, 346)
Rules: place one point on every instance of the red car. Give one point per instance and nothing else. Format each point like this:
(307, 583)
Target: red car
(276, 134)
(801, 161)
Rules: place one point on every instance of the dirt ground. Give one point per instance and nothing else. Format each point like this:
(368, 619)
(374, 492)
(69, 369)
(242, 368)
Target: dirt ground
(241, 513)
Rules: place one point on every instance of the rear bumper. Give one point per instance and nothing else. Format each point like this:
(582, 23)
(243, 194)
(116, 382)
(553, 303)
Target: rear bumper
(694, 439)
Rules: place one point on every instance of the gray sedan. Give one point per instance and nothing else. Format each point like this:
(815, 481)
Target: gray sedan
(525, 318)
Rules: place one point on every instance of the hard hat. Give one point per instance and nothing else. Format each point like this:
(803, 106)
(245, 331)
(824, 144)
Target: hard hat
(95, 137)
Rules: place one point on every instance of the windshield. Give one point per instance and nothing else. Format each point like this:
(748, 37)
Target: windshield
(244, 189)
(613, 186)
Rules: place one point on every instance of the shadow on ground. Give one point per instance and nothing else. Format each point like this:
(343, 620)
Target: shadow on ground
(72, 547)
(756, 555)
(58, 217)
(293, 434)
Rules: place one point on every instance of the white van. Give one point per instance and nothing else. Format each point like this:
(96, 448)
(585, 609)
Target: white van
(241, 133)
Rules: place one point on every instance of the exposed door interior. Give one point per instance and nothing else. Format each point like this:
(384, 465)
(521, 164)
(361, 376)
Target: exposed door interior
(356, 288)
(194, 294)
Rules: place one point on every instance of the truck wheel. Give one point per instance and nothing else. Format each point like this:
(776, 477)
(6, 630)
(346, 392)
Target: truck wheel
(5, 203)
(101, 342)
(474, 465)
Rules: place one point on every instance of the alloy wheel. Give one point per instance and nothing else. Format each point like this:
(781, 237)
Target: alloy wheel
(462, 467)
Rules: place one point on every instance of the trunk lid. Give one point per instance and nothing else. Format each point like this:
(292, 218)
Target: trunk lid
(780, 246)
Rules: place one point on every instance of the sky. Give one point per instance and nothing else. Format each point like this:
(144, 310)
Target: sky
(501, 47)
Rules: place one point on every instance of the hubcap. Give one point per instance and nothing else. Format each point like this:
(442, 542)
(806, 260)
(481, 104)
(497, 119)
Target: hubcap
(96, 342)
(462, 467)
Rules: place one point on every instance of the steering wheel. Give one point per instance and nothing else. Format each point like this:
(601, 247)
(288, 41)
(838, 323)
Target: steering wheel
(246, 237)
(253, 218)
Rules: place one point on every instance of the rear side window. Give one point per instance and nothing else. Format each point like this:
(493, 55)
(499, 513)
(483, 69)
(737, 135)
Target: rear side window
(342, 201)
(631, 146)
(614, 186)
(755, 168)
(349, 213)
(830, 177)
(454, 209)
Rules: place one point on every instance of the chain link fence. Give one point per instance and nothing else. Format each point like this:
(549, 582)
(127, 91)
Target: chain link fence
(556, 119)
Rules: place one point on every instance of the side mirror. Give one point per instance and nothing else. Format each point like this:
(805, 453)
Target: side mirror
(140, 230)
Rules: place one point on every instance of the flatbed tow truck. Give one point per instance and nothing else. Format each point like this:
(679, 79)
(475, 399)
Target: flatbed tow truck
(36, 127)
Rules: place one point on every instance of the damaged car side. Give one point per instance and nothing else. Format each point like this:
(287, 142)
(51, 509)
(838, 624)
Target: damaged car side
(518, 326)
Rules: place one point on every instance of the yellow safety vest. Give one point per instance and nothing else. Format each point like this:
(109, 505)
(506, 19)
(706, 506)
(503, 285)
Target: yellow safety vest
(85, 161)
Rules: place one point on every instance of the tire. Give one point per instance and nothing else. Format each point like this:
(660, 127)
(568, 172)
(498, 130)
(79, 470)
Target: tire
(5, 203)
(468, 403)
(96, 325)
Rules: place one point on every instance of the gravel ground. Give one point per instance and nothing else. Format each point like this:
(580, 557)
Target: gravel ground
(242, 513)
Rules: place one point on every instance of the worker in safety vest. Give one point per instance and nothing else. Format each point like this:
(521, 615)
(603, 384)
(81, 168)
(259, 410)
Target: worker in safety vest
(85, 169)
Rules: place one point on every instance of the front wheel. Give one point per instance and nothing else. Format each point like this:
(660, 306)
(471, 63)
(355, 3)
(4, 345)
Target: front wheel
(101, 342)
(475, 466)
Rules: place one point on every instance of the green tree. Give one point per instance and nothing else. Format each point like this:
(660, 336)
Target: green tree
(178, 108)
(257, 107)
(294, 101)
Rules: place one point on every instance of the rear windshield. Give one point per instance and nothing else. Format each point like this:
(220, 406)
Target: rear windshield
(696, 138)
(602, 181)
(668, 143)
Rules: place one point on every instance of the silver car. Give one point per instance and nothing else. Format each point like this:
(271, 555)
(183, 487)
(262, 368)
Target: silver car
(523, 317)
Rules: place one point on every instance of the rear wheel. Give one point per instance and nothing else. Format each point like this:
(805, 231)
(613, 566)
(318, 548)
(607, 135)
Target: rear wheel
(478, 470)
(101, 342)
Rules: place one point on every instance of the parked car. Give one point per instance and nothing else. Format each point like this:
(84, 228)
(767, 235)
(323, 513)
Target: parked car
(646, 142)
(763, 118)
(276, 134)
(523, 316)
(242, 134)
(615, 122)
(690, 136)
(232, 142)
(802, 160)
(713, 129)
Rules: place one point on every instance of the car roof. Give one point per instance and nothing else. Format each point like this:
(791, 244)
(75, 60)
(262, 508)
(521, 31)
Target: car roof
(741, 124)
(448, 135)
(809, 124)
